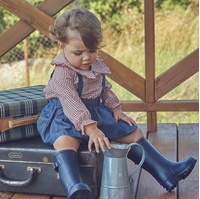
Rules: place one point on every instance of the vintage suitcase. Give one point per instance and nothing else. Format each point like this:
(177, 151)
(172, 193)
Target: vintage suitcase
(27, 166)
(19, 110)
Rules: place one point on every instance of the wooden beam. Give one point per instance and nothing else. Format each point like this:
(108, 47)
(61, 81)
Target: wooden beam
(162, 105)
(151, 121)
(177, 74)
(150, 61)
(149, 51)
(23, 29)
(29, 14)
(124, 76)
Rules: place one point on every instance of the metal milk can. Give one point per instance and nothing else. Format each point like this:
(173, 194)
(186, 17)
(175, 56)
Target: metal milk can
(116, 183)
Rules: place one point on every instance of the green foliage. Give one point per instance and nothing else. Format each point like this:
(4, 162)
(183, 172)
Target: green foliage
(110, 8)
(2, 21)
(172, 3)
(114, 12)
(6, 19)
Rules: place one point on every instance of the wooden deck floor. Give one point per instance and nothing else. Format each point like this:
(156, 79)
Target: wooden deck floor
(174, 142)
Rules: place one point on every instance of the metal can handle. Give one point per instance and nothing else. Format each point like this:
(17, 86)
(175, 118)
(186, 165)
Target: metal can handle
(141, 161)
(18, 183)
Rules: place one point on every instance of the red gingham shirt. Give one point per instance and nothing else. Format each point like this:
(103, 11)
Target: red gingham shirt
(64, 83)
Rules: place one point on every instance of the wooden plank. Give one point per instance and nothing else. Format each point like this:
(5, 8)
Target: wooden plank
(29, 196)
(125, 76)
(177, 74)
(59, 197)
(29, 13)
(162, 105)
(189, 146)
(150, 62)
(151, 121)
(164, 140)
(9, 195)
(6, 195)
(54, 6)
(149, 51)
(23, 29)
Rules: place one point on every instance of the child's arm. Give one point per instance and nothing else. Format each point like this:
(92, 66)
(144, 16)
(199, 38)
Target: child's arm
(97, 138)
(109, 98)
(112, 101)
(63, 86)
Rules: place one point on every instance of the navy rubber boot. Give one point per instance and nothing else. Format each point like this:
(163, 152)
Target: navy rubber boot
(166, 172)
(66, 164)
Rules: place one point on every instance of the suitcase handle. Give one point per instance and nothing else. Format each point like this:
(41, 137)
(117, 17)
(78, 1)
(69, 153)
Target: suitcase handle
(23, 121)
(18, 183)
(9, 122)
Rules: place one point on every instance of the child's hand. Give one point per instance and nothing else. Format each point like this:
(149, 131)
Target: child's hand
(120, 115)
(98, 138)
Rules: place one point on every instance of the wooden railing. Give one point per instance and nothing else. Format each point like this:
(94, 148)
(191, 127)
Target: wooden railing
(149, 89)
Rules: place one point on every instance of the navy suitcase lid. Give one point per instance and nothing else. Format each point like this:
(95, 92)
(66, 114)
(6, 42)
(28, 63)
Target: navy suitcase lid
(29, 150)
(24, 101)
(34, 150)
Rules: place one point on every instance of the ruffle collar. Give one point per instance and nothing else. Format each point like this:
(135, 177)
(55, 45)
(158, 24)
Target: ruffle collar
(98, 67)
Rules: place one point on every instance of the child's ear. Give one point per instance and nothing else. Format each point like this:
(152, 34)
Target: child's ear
(61, 45)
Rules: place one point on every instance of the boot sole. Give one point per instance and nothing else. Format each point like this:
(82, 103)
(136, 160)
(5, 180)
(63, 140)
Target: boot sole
(182, 175)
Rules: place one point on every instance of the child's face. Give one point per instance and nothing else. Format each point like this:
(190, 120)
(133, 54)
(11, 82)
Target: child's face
(78, 54)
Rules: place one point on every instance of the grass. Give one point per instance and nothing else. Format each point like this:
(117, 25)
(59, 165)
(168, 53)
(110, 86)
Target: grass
(176, 35)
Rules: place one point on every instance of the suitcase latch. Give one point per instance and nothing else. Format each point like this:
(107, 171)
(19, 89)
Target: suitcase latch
(34, 169)
(2, 167)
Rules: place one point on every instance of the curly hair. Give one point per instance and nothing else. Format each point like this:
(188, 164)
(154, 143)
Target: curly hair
(82, 22)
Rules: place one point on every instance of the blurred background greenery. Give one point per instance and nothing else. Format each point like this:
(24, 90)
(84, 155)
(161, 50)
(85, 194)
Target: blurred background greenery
(176, 35)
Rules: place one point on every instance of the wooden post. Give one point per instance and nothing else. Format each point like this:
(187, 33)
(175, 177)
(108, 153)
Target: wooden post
(150, 62)
(26, 61)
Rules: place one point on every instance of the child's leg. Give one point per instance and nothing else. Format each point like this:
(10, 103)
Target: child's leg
(166, 172)
(133, 137)
(66, 142)
(67, 165)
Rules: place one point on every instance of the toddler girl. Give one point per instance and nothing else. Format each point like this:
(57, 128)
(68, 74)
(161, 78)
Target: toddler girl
(81, 106)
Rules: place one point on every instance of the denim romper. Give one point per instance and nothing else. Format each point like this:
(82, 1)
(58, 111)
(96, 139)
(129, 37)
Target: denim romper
(53, 123)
